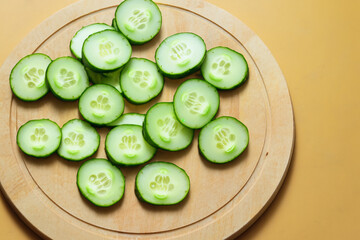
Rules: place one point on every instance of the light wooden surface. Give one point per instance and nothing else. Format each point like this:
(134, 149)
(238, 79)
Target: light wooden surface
(316, 44)
(224, 200)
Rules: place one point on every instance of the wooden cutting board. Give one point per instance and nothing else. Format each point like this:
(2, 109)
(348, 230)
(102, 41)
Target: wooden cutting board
(224, 199)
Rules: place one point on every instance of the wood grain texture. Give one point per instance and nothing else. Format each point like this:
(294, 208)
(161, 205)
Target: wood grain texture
(224, 200)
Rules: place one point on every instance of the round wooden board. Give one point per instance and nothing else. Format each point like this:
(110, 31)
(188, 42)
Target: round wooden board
(224, 199)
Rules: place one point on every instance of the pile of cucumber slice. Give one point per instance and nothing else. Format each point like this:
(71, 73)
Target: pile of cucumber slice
(102, 74)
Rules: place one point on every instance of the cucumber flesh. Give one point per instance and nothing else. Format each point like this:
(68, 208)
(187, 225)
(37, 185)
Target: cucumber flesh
(223, 139)
(196, 102)
(79, 140)
(100, 182)
(77, 41)
(225, 68)
(101, 104)
(139, 20)
(180, 54)
(162, 183)
(141, 81)
(163, 130)
(39, 138)
(125, 145)
(27, 78)
(128, 118)
(106, 51)
(67, 78)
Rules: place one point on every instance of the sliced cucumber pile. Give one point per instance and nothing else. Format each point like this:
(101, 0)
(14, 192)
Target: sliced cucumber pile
(196, 102)
(163, 130)
(100, 182)
(79, 140)
(224, 68)
(39, 138)
(162, 183)
(104, 56)
(223, 139)
(27, 78)
(106, 51)
(67, 78)
(180, 54)
(141, 81)
(80, 36)
(101, 104)
(125, 145)
(128, 118)
(139, 20)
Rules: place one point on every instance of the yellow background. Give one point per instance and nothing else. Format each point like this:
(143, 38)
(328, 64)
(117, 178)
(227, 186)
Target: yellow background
(317, 45)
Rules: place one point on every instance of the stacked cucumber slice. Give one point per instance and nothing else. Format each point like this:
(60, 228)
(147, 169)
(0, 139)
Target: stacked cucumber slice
(163, 130)
(67, 78)
(103, 56)
(79, 140)
(101, 104)
(141, 81)
(139, 20)
(180, 54)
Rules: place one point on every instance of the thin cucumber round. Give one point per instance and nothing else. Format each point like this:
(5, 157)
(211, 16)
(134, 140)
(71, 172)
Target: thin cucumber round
(106, 51)
(163, 130)
(101, 104)
(100, 182)
(225, 68)
(125, 145)
(180, 54)
(141, 81)
(27, 78)
(114, 24)
(39, 138)
(128, 118)
(67, 78)
(110, 78)
(139, 20)
(223, 139)
(162, 183)
(196, 102)
(79, 140)
(77, 41)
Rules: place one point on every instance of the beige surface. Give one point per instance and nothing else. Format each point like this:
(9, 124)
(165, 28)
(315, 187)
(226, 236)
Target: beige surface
(316, 45)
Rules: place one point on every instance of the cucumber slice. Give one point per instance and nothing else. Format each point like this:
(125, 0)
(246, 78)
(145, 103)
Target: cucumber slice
(180, 54)
(106, 51)
(125, 145)
(27, 78)
(141, 81)
(162, 183)
(101, 104)
(100, 182)
(114, 24)
(110, 78)
(163, 130)
(128, 118)
(79, 140)
(139, 20)
(67, 78)
(77, 41)
(39, 138)
(223, 139)
(196, 102)
(225, 68)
